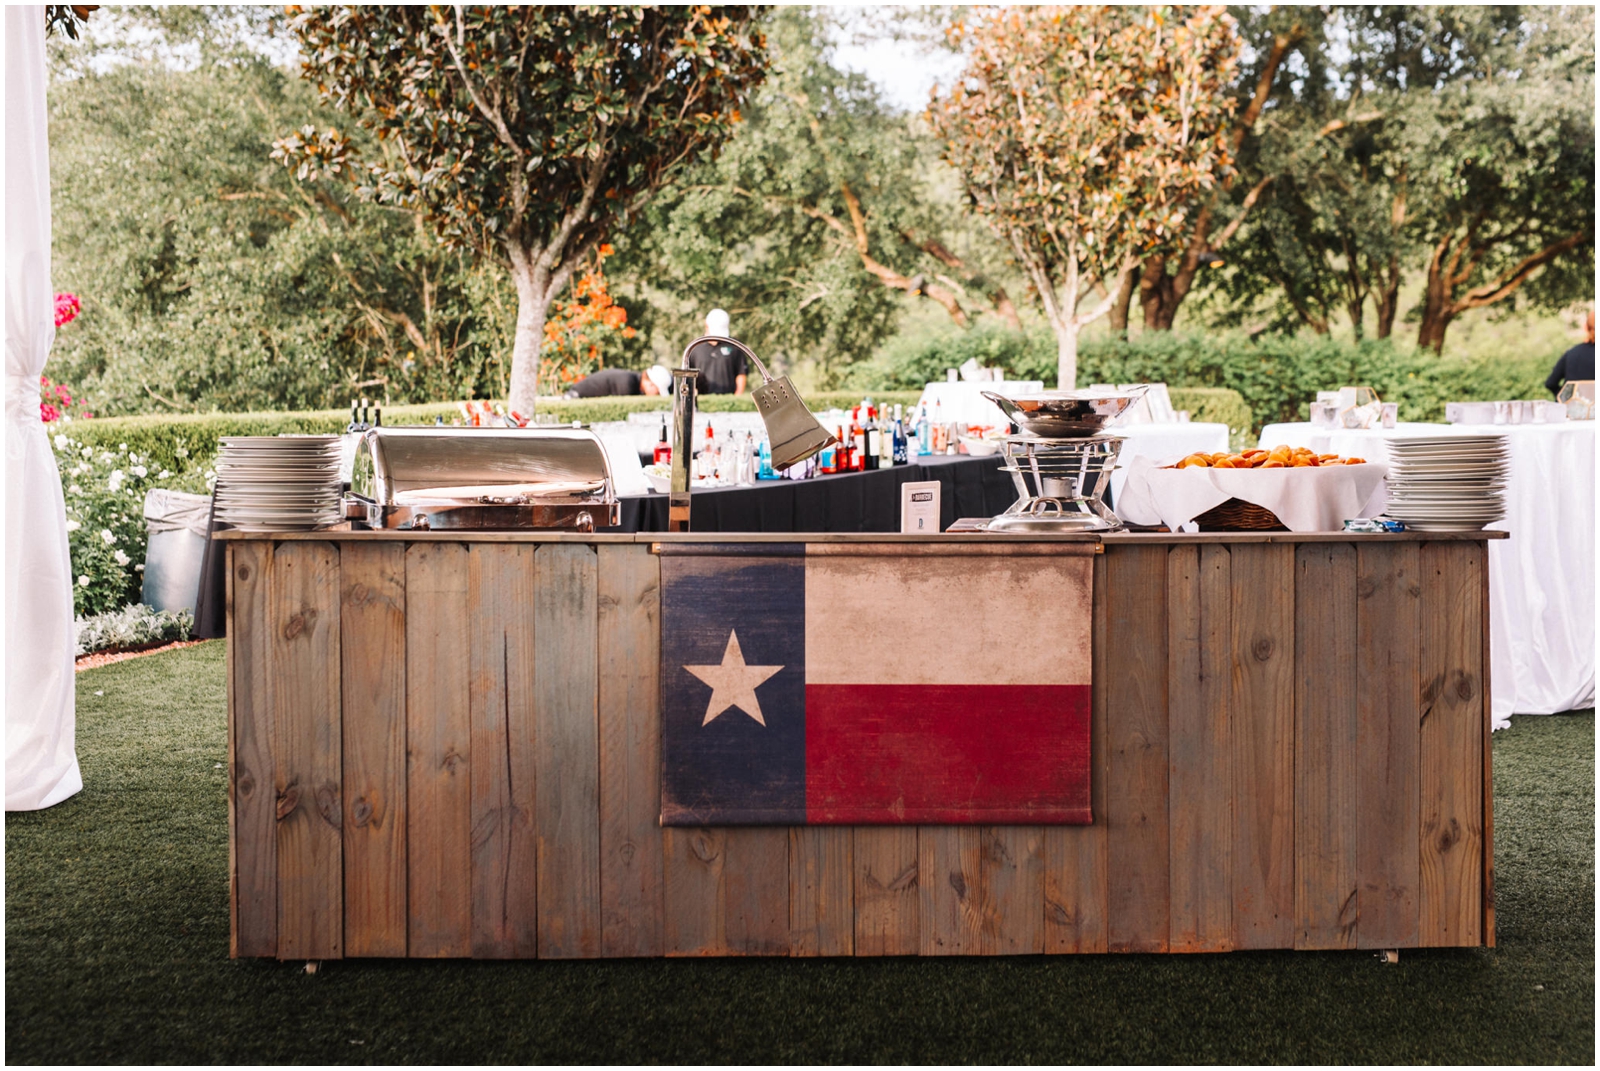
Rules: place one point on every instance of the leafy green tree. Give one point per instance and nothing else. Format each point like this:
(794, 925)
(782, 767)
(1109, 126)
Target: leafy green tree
(210, 279)
(1456, 143)
(1086, 136)
(524, 134)
(820, 218)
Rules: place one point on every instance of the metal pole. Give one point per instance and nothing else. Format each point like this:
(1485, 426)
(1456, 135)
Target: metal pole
(683, 392)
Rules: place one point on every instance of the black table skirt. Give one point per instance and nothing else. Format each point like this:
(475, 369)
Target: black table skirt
(854, 502)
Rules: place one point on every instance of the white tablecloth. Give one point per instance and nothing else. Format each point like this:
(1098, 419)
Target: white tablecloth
(1163, 443)
(1541, 580)
(964, 402)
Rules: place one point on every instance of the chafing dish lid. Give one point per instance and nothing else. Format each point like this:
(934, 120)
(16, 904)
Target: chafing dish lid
(477, 463)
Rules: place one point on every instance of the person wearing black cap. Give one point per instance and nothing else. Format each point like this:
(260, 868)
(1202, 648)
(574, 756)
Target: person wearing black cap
(1577, 363)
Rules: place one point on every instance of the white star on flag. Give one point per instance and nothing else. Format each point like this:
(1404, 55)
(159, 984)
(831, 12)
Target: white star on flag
(733, 684)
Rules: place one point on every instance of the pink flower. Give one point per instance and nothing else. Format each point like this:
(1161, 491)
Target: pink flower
(61, 392)
(67, 306)
(48, 413)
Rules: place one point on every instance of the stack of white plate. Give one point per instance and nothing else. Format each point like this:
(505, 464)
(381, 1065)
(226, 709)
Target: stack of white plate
(1447, 483)
(280, 483)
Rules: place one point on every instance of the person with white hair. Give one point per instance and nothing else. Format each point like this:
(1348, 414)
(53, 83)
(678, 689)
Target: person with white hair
(611, 381)
(722, 368)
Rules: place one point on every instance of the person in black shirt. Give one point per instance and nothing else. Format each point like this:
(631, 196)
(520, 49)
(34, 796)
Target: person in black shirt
(610, 381)
(1576, 363)
(723, 368)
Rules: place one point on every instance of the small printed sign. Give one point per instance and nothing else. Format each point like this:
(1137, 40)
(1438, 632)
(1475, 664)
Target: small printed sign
(919, 507)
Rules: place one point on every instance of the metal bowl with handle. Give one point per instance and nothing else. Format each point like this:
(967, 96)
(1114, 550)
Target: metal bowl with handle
(1067, 414)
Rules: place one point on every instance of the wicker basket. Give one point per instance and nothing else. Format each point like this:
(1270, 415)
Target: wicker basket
(1237, 515)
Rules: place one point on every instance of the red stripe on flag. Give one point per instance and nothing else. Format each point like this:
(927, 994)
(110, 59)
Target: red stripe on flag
(890, 754)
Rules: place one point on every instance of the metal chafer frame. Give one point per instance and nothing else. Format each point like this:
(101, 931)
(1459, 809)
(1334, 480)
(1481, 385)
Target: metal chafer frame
(453, 478)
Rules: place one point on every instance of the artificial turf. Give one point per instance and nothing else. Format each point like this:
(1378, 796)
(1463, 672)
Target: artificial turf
(117, 951)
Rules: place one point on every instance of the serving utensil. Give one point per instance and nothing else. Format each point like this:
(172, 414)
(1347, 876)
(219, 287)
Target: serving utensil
(1067, 414)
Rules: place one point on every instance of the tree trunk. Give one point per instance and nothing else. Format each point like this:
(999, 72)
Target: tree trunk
(1356, 307)
(1158, 295)
(1387, 299)
(529, 338)
(1067, 353)
(1119, 308)
(1436, 310)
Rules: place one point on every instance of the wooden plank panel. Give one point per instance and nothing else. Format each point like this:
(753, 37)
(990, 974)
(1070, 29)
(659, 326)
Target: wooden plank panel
(1325, 746)
(1075, 856)
(567, 743)
(631, 844)
(887, 903)
(1263, 745)
(1450, 745)
(372, 654)
(1136, 752)
(303, 596)
(952, 904)
(1482, 552)
(985, 890)
(1200, 778)
(821, 896)
(438, 747)
(694, 897)
(503, 769)
(756, 890)
(252, 803)
(1388, 712)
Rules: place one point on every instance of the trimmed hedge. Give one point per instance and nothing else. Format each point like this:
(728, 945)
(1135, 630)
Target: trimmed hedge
(1276, 376)
(181, 442)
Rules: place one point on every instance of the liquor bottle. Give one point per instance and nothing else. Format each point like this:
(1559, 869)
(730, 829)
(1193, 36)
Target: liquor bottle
(938, 427)
(885, 440)
(858, 446)
(355, 423)
(663, 450)
(746, 475)
(766, 472)
(706, 463)
(870, 426)
(841, 456)
(902, 452)
(924, 432)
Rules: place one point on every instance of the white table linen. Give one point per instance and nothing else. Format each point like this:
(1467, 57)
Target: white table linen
(964, 403)
(1541, 580)
(1304, 499)
(1163, 444)
(41, 760)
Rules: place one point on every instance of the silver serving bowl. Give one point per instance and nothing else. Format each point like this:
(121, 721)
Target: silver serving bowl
(1066, 414)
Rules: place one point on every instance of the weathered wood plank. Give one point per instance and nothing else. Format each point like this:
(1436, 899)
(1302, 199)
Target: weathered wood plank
(1325, 746)
(567, 743)
(984, 893)
(1450, 745)
(503, 768)
(303, 596)
(1388, 712)
(252, 803)
(1137, 859)
(1200, 781)
(372, 654)
(821, 895)
(631, 845)
(1075, 856)
(438, 749)
(887, 904)
(756, 890)
(1263, 745)
(1482, 556)
(695, 916)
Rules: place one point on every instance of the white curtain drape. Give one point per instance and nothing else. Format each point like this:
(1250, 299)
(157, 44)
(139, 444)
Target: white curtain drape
(41, 762)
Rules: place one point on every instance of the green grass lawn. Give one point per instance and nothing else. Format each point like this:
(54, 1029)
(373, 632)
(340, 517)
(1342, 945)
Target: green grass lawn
(117, 951)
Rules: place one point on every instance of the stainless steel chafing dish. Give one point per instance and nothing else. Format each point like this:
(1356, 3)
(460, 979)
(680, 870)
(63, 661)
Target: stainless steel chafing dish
(463, 478)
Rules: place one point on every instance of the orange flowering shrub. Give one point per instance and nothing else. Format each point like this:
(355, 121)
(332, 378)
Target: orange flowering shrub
(581, 329)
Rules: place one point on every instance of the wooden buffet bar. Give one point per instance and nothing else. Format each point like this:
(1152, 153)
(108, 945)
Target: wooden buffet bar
(448, 744)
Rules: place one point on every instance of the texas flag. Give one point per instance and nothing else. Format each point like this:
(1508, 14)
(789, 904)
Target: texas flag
(868, 684)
